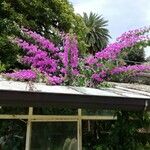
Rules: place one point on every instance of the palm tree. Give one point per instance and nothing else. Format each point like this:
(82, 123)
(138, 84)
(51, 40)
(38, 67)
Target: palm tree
(97, 34)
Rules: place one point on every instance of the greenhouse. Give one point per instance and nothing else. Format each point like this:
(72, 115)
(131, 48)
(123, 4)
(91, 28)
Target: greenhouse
(86, 106)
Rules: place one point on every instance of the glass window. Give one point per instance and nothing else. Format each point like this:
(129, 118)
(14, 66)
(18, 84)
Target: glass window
(12, 134)
(14, 110)
(54, 136)
(95, 134)
(54, 111)
(97, 112)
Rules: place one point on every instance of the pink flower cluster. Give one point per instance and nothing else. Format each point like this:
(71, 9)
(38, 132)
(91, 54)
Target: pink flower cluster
(70, 55)
(132, 33)
(90, 60)
(99, 76)
(108, 55)
(42, 41)
(54, 80)
(127, 39)
(37, 58)
(134, 68)
(48, 59)
(23, 75)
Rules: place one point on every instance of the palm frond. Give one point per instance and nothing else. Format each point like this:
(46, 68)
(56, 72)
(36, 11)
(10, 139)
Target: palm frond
(97, 36)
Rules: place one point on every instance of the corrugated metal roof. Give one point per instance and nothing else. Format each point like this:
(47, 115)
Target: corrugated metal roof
(116, 91)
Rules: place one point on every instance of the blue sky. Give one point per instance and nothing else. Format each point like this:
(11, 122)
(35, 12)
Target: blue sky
(122, 15)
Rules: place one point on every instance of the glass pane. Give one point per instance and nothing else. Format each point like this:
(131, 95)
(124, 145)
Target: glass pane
(14, 110)
(97, 112)
(54, 136)
(104, 135)
(95, 134)
(54, 111)
(12, 135)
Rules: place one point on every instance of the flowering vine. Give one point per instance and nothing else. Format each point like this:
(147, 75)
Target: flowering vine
(46, 58)
(23, 75)
(104, 61)
(60, 64)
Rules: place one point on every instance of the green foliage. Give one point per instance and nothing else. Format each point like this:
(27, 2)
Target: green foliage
(84, 78)
(8, 54)
(105, 85)
(124, 133)
(98, 147)
(135, 53)
(128, 132)
(123, 77)
(97, 137)
(80, 29)
(97, 34)
(2, 67)
(38, 14)
(148, 59)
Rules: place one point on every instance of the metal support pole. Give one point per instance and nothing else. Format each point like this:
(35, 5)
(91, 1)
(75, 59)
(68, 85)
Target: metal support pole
(28, 132)
(79, 129)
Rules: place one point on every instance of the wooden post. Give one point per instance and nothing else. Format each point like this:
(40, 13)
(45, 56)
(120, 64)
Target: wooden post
(79, 129)
(28, 132)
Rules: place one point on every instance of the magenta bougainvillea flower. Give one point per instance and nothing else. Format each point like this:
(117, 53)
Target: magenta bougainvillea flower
(103, 60)
(23, 75)
(50, 60)
(56, 63)
(133, 68)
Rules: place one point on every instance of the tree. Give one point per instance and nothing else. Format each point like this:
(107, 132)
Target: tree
(97, 34)
(148, 59)
(133, 55)
(39, 15)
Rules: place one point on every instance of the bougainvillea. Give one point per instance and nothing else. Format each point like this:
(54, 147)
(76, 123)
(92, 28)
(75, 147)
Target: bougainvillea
(70, 54)
(58, 64)
(104, 62)
(46, 58)
(42, 41)
(132, 69)
(127, 39)
(23, 75)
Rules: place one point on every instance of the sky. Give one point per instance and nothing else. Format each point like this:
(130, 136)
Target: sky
(122, 15)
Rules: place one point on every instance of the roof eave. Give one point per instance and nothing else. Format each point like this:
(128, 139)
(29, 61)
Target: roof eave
(42, 99)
